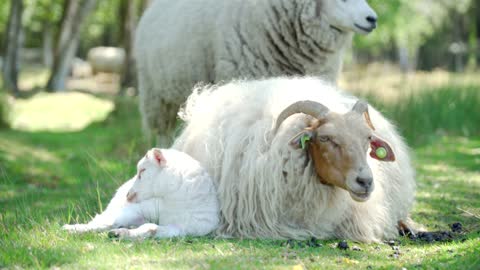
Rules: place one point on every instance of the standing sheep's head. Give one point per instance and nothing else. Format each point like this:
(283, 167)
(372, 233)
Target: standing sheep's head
(153, 177)
(348, 15)
(338, 145)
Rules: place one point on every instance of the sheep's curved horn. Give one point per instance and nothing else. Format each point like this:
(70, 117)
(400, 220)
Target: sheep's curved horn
(309, 107)
(361, 107)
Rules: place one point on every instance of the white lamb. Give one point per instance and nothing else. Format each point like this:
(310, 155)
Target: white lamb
(290, 158)
(180, 43)
(171, 195)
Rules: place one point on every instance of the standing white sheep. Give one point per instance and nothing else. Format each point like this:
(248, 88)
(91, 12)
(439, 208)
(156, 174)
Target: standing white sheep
(290, 159)
(171, 195)
(183, 42)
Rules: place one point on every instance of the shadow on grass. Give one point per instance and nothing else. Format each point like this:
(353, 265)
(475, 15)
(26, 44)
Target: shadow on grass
(458, 152)
(47, 170)
(463, 255)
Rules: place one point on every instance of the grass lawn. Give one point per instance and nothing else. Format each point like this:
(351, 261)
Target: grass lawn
(49, 178)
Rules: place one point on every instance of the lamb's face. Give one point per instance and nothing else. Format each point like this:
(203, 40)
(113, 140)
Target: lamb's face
(152, 177)
(349, 15)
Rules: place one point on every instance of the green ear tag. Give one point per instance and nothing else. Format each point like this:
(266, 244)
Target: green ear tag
(381, 152)
(303, 140)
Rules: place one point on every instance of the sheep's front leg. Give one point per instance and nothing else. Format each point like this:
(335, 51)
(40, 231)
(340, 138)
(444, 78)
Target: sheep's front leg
(409, 227)
(148, 230)
(89, 227)
(106, 221)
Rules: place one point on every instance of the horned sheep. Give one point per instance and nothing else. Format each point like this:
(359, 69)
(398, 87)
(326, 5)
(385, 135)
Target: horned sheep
(288, 157)
(180, 43)
(171, 195)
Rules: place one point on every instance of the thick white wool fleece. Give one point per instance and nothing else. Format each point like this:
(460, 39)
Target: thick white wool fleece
(268, 189)
(183, 42)
(176, 199)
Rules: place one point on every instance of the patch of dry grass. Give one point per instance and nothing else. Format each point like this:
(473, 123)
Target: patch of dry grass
(388, 83)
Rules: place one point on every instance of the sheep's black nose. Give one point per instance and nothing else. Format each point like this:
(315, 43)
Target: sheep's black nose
(372, 19)
(365, 182)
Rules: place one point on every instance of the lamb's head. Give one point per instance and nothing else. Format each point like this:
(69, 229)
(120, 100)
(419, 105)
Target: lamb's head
(348, 15)
(153, 177)
(338, 143)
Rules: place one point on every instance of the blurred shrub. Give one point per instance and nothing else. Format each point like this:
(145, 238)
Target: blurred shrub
(425, 115)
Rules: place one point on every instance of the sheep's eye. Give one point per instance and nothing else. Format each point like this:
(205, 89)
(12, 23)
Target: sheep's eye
(324, 138)
(140, 173)
(335, 144)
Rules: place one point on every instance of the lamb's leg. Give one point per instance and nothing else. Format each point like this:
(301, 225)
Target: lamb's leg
(117, 214)
(148, 230)
(123, 218)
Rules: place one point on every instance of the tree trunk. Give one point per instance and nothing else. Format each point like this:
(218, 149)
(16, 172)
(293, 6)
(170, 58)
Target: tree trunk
(76, 12)
(47, 44)
(407, 54)
(407, 58)
(12, 47)
(458, 48)
(129, 16)
(472, 38)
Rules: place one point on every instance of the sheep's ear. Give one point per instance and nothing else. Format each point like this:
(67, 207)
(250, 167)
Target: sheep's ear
(302, 139)
(381, 150)
(158, 157)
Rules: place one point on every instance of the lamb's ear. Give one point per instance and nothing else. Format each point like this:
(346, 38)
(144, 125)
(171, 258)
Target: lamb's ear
(302, 139)
(158, 157)
(381, 150)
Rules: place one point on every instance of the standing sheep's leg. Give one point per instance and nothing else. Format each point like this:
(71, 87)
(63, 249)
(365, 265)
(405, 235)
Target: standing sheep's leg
(148, 230)
(159, 114)
(166, 124)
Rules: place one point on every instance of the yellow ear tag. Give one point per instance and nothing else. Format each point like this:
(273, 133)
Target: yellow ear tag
(381, 152)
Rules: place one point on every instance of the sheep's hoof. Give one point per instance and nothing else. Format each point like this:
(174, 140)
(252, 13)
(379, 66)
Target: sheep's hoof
(118, 233)
(404, 229)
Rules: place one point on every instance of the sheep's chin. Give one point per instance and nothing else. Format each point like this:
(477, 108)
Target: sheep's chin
(363, 30)
(360, 197)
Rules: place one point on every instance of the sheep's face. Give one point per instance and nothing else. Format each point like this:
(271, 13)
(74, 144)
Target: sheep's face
(338, 146)
(153, 177)
(340, 154)
(348, 15)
